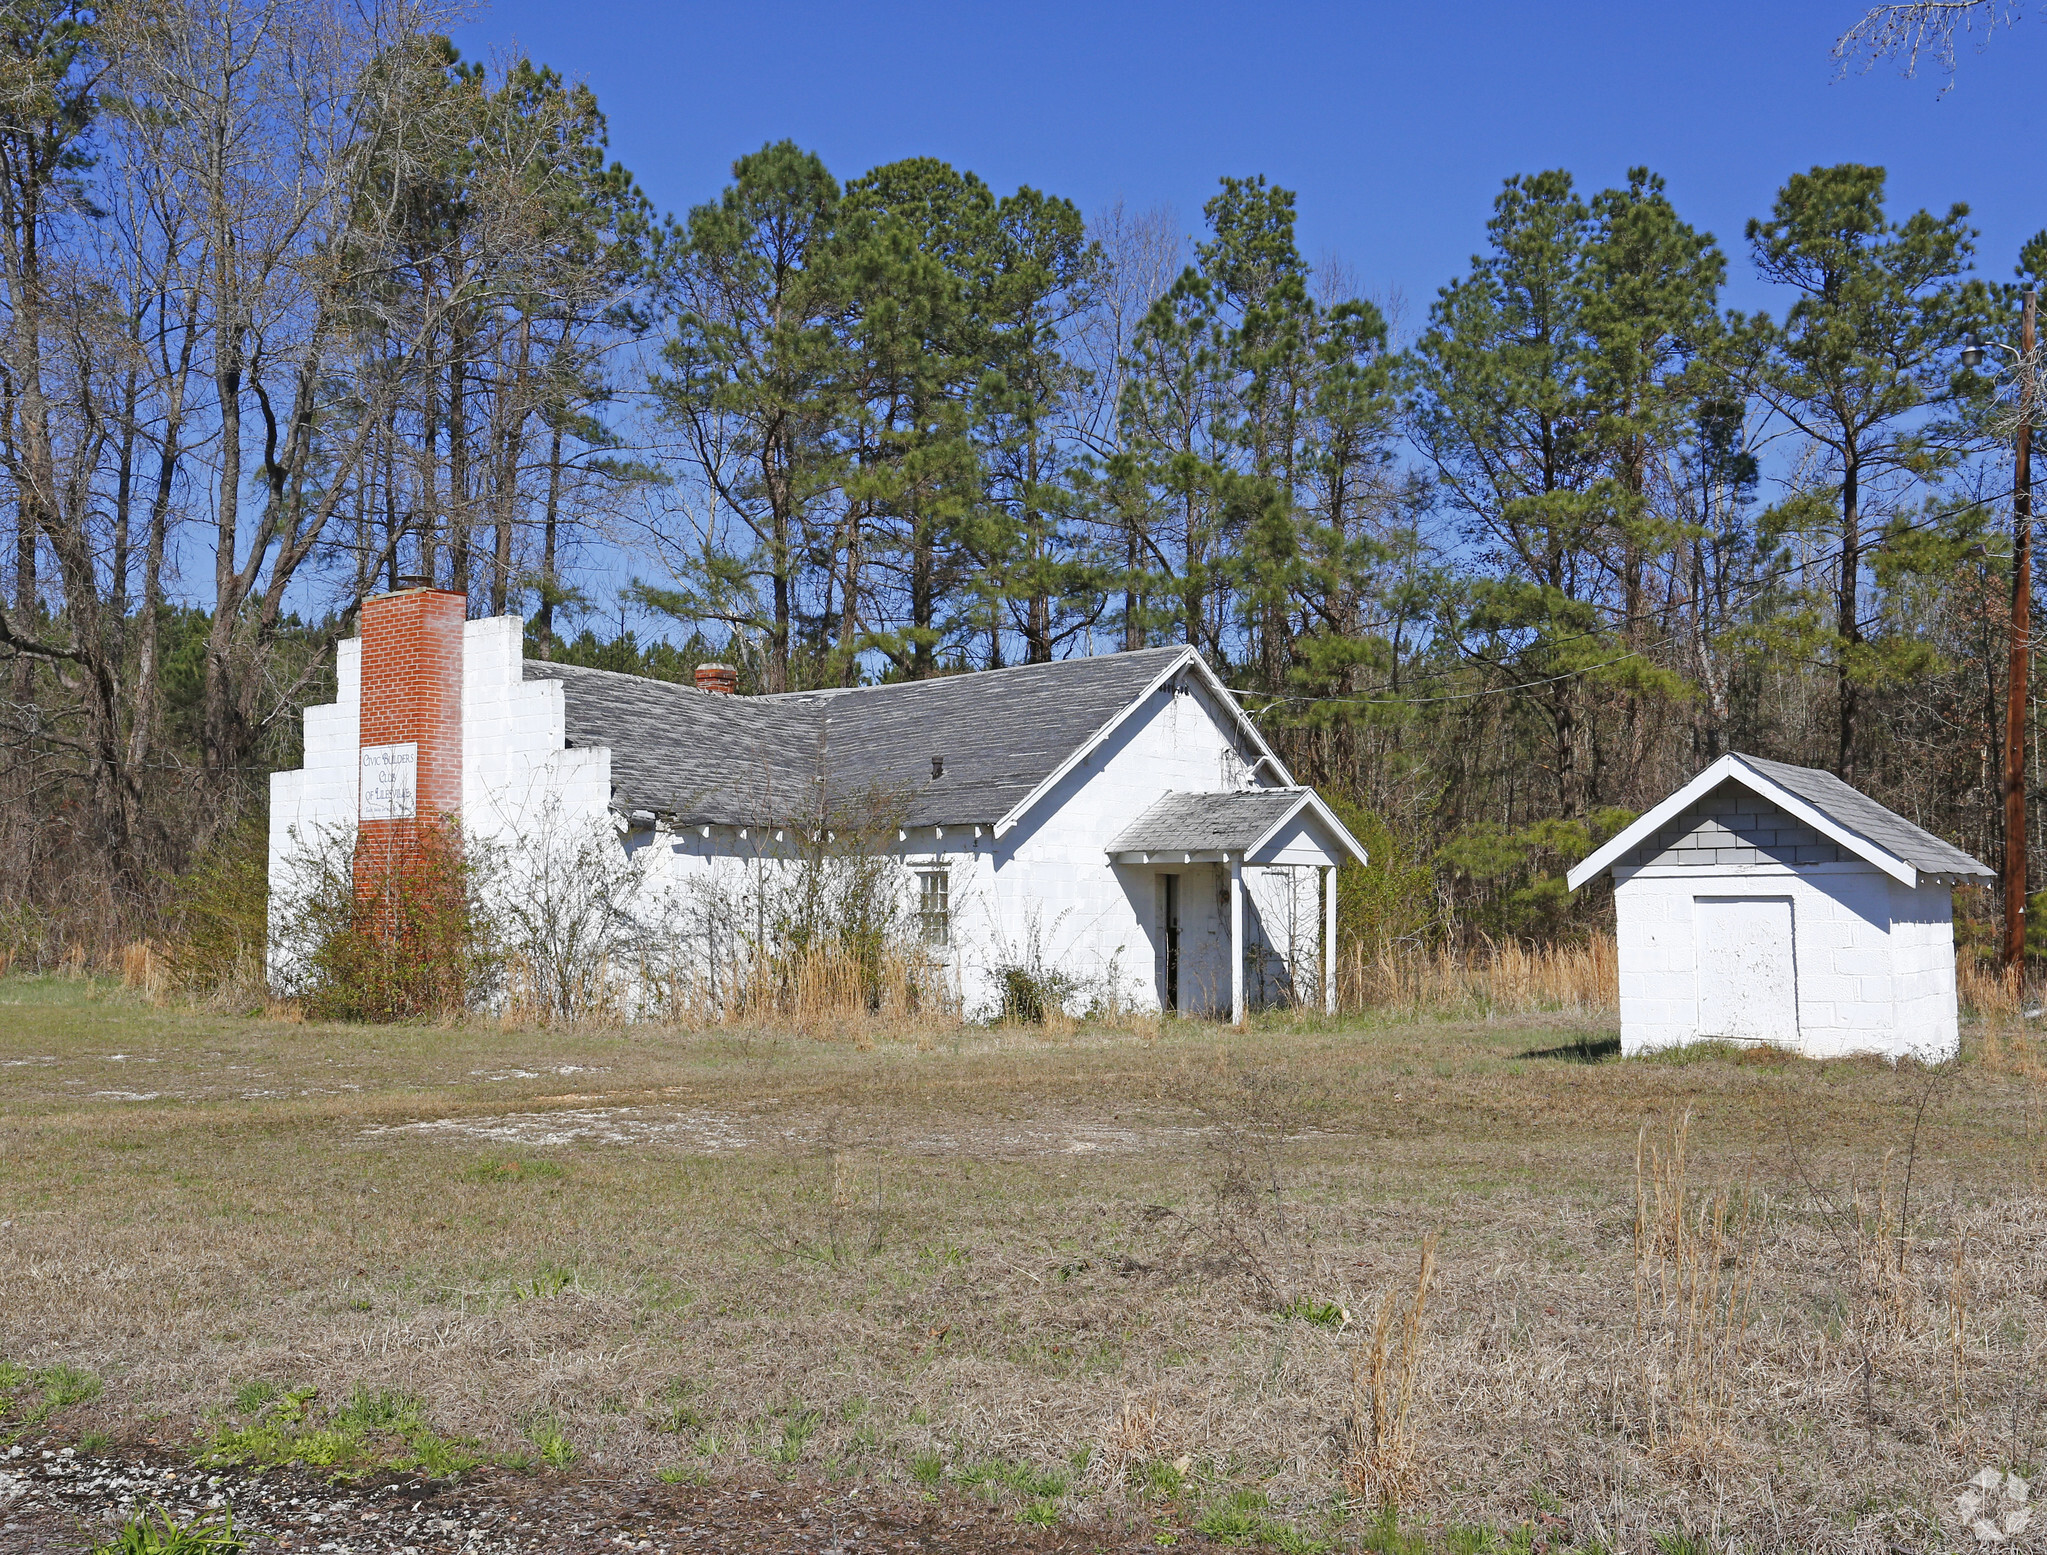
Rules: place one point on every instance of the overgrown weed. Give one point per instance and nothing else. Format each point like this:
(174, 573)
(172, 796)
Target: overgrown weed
(1696, 1254)
(1381, 1464)
(153, 1531)
(1244, 1225)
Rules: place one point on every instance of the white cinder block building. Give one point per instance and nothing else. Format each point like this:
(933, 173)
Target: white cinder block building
(1119, 817)
(1765, 903)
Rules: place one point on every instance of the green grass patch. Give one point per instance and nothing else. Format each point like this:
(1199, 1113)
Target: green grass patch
(371, 1430)
(1161, 1477)
(153, 1531)
(508, 1169)
(1387, 1537)
(784, 1440)
(1041, 1489)
(1323, 1314)
(13, 1379)
(28, 1398)
(1244, 1516)
(250, 1397)
(552, 1442)
(552, 1280)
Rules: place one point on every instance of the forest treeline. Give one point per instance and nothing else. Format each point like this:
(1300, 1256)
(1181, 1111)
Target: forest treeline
(297, 305)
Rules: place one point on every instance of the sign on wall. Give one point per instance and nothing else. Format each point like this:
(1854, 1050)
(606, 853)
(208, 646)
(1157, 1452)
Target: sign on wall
(390, 782)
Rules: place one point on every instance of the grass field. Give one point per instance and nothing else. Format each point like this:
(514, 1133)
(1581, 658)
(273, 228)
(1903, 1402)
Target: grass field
(1116, 1274)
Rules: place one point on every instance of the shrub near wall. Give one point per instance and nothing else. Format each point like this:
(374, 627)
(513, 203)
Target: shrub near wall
(410, 940)
(219, 918)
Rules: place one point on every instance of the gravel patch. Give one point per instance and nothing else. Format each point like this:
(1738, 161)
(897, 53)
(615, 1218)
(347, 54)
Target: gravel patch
(704, 1133)
(55, 1501)
(718, 1133)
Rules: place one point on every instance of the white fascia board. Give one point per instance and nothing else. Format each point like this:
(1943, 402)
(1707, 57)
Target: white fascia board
(1176, 666)
(1080, 753)
(1324, 817)
(1602, 858)
(1732, 766)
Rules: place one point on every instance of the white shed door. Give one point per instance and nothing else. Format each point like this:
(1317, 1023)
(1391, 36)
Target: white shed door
(1748, 976)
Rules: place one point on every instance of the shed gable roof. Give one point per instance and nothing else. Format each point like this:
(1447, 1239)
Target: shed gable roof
(1871, 832)
(704, 757)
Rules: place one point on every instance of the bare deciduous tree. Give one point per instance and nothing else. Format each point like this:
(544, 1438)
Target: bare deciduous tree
(1932, 27)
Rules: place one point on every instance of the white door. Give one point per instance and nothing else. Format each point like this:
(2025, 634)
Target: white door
(1748, 975)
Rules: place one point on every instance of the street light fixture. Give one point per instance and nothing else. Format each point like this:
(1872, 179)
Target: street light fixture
(1972, 352)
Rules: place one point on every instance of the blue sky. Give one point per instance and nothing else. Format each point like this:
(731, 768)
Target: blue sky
(1395, 123)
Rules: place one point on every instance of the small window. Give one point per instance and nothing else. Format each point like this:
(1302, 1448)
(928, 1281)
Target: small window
(934, 905)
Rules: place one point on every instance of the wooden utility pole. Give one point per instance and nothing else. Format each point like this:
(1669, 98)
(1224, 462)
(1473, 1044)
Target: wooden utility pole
(2019, 676)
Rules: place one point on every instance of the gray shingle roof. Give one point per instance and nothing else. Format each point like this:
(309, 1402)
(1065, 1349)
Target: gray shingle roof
(1862, 815)
(694, 755)
(1205, 823)
(698, 756)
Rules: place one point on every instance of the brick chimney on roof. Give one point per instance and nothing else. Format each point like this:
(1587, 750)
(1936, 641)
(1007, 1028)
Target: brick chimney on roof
(722, 678)
(411, 724)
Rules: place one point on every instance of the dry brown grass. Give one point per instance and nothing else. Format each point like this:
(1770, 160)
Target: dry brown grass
(1696, 1251)
(1998, 1000)
(1507, 977)
(825, 993)
(947, 1244)
(1381, 1463)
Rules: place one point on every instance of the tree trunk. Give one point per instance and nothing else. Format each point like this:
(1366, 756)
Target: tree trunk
(458, 470)
(543, 629)
(1849, 623)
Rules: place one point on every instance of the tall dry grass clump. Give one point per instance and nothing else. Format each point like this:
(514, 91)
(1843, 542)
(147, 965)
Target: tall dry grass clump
(828, 991)
(1997, 999)
(1381, 1464)
(1882, 1251)
(1696, 1253)
(1505, 976)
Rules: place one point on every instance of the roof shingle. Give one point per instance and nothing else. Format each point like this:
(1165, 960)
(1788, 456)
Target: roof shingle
(1207, 823)
(705, 757)
(1856, 811)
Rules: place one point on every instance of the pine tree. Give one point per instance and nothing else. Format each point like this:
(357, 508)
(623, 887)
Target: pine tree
(753, 377)
(1864, 365)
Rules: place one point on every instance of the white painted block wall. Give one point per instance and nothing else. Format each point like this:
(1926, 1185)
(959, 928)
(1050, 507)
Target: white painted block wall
(1050, 876)
(1874, 959)
(1093, 916)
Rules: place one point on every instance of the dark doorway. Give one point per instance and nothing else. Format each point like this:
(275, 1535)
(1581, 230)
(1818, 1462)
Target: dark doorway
(1169, 915)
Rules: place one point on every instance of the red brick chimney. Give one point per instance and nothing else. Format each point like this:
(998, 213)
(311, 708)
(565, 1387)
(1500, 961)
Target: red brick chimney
(721, 678)
(411, 725)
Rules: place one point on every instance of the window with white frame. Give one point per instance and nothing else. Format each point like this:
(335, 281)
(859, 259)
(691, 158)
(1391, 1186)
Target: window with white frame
(934, 905)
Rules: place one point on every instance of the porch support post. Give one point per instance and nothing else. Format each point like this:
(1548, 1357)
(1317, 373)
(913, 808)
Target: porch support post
(1329, 939)
(1236, 939)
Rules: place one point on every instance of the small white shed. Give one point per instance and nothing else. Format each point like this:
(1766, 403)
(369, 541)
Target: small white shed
(1766, 903)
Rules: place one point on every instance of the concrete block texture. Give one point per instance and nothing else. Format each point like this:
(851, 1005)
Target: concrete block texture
(1873, 959)
(1733, 817)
